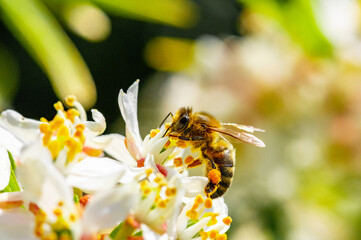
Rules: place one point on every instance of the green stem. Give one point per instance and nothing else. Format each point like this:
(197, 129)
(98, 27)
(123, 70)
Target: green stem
(125, 231)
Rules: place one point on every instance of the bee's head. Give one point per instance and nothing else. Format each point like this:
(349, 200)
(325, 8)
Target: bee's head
(181, 120)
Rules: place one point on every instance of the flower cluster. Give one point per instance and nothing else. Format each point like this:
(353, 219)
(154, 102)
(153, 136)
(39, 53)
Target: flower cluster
(64, 179)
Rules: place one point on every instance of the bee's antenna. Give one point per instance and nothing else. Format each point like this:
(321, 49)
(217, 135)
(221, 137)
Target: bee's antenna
(170, 113)
(167, 130)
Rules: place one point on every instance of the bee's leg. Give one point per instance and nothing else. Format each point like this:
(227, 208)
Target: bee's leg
(184, 138)
(196, 138)
(213, 184)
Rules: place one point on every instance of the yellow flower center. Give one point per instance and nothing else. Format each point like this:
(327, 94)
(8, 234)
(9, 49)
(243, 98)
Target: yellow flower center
(61, 132)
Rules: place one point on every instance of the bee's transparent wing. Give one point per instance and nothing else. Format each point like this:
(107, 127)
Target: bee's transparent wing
(240, 134)
(245, 128)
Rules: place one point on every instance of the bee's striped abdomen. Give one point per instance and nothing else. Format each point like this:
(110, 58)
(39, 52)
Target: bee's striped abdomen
(223, 160)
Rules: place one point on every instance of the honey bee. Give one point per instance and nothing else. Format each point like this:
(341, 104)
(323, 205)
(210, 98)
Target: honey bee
(203, 132)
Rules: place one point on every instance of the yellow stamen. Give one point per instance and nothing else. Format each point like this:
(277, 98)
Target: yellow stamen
(213, 219)
(154, 132)
(92, 152)
(58, 106)
(80, 136)
(71, 114)
(208, 203)
(72, 217)
(167, 125)
(170, 192)
(74, 146)
(44, 127)
(40, 216)
(79, 132)
(213, 234)
(227, 220)
(69, 100)
(57, 212)
(148, 172)
(38, 231)
(198, 199)
(204, 235)
(192, 214)
(63, 132)
(44, 120)
(144, 186)
(158, 179)
(47, 137)
(178, 162)
(167, 144)
(146, 191)
(189, 160)
(221, 237)
(195, 206)
(80, 127)
(54, 148)
(56, 122)
(215, 176)
(181, 144)
(162, 203)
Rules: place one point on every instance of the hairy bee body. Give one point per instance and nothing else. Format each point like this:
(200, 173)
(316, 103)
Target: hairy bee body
(221, 158)
(204, 133)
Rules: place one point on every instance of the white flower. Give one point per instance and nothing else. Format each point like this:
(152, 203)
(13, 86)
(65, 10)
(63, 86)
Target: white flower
(132, 150)
(71, 140)
(69, 131)
(200, 218)
(50, 211)
(203, 218)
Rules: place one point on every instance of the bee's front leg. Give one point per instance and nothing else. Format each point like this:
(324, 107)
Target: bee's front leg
(195, 138)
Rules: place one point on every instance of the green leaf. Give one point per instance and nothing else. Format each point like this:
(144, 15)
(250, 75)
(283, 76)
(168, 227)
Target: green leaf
(179, 13)
(13, 185)
(115, 231)
(45, 40)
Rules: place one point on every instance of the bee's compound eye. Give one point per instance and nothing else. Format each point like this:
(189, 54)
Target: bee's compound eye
(183, 122)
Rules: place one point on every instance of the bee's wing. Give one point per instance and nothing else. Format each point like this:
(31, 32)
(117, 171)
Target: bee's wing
(245, 128)
(240, 134)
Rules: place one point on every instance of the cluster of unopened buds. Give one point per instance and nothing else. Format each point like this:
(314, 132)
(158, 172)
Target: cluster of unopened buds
(64, 179)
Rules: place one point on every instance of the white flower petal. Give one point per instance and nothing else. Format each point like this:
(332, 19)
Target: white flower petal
(10, 142)
(219, 206)
(95, 174)
(17, 224)
(32, 158)
(25, 129)
(148, 234)
(5, 168)
(194, 185)
(42, 182)
(128, 108)
(61, 160)
(156, 148)
(109, 208)
(194, 229)
(117, 149)
(97, 127)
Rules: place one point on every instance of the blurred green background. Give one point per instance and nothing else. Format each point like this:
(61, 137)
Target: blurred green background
(291, 67)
